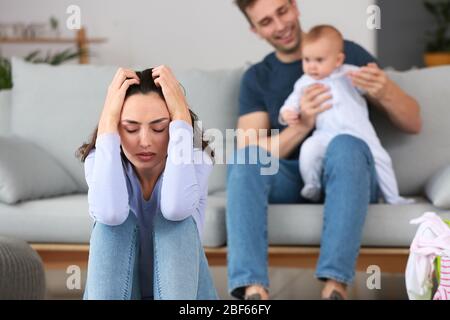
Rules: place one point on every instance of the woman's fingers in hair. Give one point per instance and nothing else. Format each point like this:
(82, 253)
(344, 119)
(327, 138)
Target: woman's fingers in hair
(156, 72)
(159, 69)
(164, 78)
(162, 71)
(173, 93)
(121, 75)
(127, 83)
(156, 75)
(157, 82)
(166, 84)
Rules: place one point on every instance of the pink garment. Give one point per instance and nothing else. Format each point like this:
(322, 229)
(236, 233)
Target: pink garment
(432, 239)
(443, 291)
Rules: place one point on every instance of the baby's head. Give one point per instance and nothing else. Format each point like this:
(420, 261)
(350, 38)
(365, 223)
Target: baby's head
(322, 51)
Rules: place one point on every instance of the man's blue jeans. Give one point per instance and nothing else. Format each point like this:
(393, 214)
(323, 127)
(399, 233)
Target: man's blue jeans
(350, 184)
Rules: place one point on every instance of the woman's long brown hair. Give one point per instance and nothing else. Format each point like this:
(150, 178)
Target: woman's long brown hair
(146, 85)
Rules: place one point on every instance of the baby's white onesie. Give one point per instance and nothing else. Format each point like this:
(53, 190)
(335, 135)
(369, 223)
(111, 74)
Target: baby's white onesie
(348, 115)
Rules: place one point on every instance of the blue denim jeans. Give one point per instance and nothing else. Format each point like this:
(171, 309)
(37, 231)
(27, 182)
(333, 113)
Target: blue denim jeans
(349, 183)
(180, 269)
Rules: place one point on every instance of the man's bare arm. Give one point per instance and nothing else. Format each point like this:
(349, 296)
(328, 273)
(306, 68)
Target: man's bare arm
(313, 102)
(402, 109)
(280, 146)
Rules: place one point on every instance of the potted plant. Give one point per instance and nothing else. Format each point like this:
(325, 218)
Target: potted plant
(5, 74)
(54, 26)
(53, 59)
(438, 40)
(5, 93)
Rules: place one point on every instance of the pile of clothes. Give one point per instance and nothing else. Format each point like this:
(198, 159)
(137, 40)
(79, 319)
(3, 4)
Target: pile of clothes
(432, 240)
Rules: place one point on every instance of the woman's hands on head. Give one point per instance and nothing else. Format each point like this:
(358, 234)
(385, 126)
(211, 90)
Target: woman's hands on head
(173, 94)
(123, 79)
(110, 117)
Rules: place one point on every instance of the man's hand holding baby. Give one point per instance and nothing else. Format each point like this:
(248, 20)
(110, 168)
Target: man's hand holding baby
(373, 80)
(313, 102)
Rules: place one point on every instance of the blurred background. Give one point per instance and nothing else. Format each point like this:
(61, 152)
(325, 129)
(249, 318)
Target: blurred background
(211, 35)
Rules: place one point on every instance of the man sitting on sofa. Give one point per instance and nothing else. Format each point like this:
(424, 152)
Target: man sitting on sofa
(349, 178)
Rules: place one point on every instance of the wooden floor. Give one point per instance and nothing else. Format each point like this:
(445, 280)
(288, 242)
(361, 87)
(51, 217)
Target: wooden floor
(392, 260)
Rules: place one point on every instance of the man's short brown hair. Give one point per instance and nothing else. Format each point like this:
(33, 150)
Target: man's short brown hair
(243, 5)
(321, 31)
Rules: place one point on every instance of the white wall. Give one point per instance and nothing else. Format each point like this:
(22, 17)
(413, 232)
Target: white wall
(207, 34)
(349, 16)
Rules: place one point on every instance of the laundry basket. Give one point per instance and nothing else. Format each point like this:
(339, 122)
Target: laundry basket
(438, 260)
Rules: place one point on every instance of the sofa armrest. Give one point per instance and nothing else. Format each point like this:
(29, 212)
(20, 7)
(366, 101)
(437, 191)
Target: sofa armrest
(437, 188)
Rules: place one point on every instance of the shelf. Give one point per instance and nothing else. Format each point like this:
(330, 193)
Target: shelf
(81, 41)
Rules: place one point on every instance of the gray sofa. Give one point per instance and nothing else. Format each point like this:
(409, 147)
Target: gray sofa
(54, 109)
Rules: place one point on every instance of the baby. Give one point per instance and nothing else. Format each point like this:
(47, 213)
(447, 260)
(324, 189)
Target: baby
(323, 62)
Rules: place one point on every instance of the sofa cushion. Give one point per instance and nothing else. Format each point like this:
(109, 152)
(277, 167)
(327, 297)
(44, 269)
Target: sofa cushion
(65, 220)
(54, 220)
(438, 188)
(28, 172)
(215, 233)
(58, 107)
(386, 225)
(213, 95)
(417, 157)
(292, 224)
